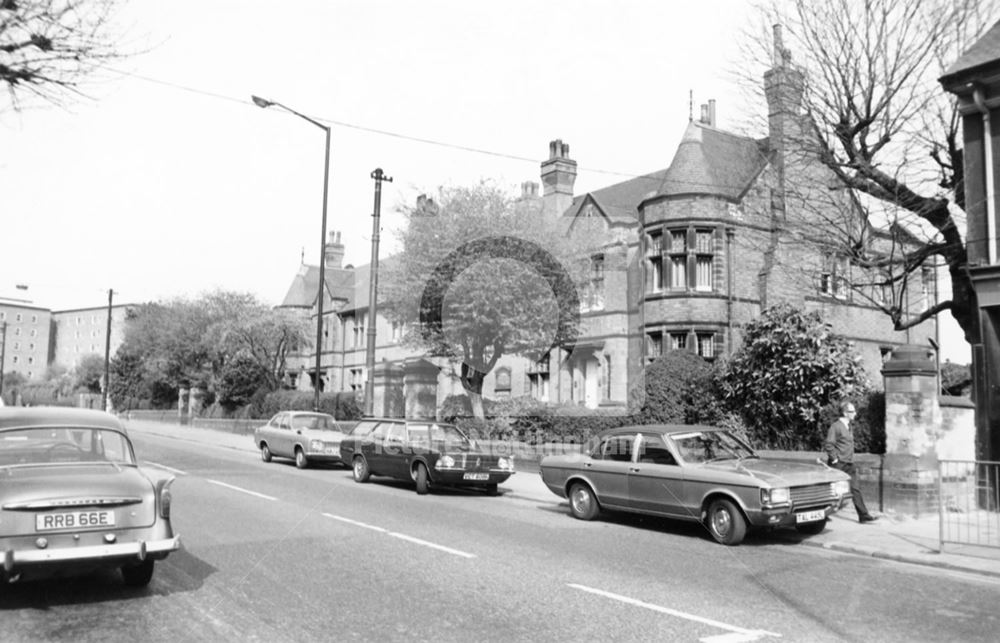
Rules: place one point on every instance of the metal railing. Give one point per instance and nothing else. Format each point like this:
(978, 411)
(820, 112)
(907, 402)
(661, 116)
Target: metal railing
(969, 503)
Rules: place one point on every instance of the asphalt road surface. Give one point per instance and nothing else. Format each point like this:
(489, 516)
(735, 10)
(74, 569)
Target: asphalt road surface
(274, 553)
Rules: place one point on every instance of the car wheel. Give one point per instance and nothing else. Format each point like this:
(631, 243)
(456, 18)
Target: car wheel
(725, 522)
(360, 469)
(812, 528)
(138, 575)
(583, 502)
(301, 461)
(265, 452)
(421, 479)
(491, 489)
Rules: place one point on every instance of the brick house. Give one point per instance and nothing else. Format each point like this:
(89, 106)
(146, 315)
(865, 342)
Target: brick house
(693, 252)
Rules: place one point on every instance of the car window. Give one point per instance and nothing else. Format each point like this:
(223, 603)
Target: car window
(363, 428)
(381, 430)
(706, 446)
(312, 422)
(433, 432)
(395, 433)
(653, 450)
(63, 445)
(283, 421)
(615, 447)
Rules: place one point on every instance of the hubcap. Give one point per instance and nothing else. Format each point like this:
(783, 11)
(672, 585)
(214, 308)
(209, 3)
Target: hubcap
(722, 522)
(357, 468)
(581, 501)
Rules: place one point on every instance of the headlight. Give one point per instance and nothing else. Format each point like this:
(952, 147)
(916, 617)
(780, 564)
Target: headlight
(774, 496)
(841, 487)
(164, 497)
(444, 462)
(506, 463)
(315, 445)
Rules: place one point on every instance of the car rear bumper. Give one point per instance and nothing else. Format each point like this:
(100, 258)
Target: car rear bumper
(14, 559)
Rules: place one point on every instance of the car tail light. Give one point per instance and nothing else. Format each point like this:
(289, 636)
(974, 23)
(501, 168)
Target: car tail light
(164, 497)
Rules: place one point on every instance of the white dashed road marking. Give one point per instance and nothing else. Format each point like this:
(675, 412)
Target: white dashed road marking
(736, 634)
(165, 467)
(240, 489)
(411, 539)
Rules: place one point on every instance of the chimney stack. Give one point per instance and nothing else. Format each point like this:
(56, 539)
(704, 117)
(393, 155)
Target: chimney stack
(334, 251)
(558, 176)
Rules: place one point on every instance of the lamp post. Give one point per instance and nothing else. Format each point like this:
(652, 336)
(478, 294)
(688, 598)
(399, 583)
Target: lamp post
(378, 175)
(107, 356)
(264, 103)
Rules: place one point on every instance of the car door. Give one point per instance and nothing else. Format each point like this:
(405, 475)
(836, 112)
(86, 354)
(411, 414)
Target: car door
(608, 469)
(372, 448)
(351, 444)
(281, 444)
(395, 452)
(656, 479)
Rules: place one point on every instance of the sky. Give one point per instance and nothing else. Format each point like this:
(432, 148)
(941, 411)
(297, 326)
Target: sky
(167, 181)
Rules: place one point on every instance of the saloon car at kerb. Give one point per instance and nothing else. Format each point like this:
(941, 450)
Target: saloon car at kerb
(426, 452)
(72, 497)
(695, 473)
(304, 436)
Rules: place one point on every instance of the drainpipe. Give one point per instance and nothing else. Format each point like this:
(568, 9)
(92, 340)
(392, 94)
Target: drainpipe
(991, 224)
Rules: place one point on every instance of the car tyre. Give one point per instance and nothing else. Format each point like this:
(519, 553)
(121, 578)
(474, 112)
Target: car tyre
(301, 461)
(725, 522)
(420, 476)
(812, 528)
(359, 467)
(265, 452)
(138, 575)
(582, 501)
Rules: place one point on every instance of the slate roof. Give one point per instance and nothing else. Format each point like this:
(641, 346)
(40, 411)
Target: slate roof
(983, 51)
(301, 293)
(707, 161)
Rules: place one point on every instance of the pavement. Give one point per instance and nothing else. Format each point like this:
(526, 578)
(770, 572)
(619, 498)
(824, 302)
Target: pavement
(900, 538)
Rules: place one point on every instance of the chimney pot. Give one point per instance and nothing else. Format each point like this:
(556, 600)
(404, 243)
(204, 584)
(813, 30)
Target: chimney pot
(711, 112)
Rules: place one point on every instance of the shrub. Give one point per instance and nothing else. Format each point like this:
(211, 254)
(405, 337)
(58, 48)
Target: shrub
(680, 389)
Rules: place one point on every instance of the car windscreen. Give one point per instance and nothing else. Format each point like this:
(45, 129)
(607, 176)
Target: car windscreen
(314, 422)
(46, 445)
(706, 446)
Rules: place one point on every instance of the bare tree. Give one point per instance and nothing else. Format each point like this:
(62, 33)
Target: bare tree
(890, 200)
(47, 47)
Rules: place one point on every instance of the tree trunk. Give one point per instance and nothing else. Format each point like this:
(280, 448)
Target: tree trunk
(472, 380)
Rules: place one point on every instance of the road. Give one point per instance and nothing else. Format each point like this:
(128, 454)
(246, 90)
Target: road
(274, 553)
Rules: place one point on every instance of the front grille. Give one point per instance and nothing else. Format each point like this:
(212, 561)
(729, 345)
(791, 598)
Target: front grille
(814, 494)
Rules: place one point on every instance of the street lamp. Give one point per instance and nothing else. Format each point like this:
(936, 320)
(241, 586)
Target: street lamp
(264, 103)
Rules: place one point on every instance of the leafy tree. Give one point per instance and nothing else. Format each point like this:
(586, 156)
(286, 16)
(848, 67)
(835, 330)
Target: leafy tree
(788, 368)
(956, 379)
(481, 275)
(877, 119)
(241, 377)
(680, 390)
(89, 373)
(48, 46)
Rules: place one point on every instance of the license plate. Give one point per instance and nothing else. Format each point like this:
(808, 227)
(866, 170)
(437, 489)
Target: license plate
(74, 520)
(476, 476)
(810, 516)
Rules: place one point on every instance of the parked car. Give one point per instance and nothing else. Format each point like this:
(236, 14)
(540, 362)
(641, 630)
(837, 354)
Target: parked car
(695, 473)
(73, 498)
(426, 452)
(304, 436)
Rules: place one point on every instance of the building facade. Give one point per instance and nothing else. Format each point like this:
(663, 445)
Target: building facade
(690, 254)
(25, 331)
(79, 332)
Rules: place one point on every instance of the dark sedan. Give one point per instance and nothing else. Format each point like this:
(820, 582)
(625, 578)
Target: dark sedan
(425, 452)
(695, 473)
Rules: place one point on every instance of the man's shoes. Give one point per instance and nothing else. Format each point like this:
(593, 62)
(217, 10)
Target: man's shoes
(868, 518)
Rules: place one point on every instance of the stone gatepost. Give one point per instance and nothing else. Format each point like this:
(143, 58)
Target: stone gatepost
(388, 399)
(420, 384)
(183, 405)
(913, 423)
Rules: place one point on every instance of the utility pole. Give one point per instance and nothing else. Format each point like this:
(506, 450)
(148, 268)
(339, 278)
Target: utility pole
(107, 356)
(378, 176)
(3, 355)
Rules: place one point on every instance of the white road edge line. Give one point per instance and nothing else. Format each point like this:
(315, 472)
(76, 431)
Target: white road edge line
(163, 466)
(357, 524)
(394, 534)
(753, 634)
(240, 489)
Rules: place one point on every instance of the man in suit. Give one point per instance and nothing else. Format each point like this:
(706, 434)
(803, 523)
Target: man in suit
(839, 447)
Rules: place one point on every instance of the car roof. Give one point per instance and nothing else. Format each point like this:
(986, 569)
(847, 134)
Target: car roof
(662, 428)
(31, 416)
